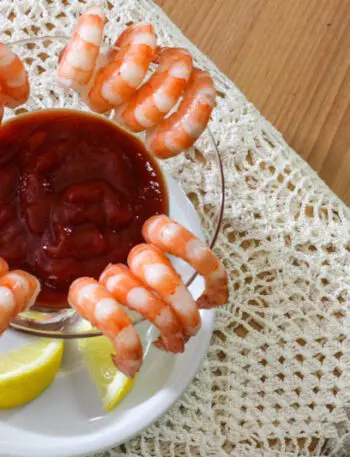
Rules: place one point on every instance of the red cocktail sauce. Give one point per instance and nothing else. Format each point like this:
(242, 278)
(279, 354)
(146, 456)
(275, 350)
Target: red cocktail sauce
(74, 192)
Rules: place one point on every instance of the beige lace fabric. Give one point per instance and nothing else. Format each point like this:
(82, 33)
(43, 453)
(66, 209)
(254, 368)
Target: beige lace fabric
(276, 380)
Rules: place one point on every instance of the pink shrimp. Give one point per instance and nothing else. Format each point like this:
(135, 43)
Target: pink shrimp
(95, 304)
(18, 292)
(13, 78)
(130, 292)
(182, 129)
(79, 58)
(118, 81)
(153, 268)
(160, 93)
(171, 237)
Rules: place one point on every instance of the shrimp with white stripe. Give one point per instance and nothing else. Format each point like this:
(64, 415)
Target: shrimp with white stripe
(13, 78)
(153, 268)
(118, 81)
(18, 292)
(171, 237)
(160, 93)
(182, 129)
(78, 60)
(131, 292)
(95, 304)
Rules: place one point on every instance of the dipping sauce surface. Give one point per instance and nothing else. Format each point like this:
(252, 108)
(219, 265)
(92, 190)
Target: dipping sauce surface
(74, 193)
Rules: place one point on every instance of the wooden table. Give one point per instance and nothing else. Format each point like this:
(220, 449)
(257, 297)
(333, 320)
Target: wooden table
(291, 58)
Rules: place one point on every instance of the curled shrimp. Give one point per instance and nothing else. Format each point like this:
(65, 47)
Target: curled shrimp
(182, 129)
(95, 304)
(18, 292)
(130, 292)
(79, 58)
(171, 237)
(153, 268)
(160, 93)
(118, 81)
(13, 78)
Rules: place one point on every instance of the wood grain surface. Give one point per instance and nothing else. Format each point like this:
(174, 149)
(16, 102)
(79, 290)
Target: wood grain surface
(291, 58)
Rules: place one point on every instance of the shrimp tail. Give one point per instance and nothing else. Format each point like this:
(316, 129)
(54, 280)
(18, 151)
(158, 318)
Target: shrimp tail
(128, 362)
(164, 344)
(214, 294)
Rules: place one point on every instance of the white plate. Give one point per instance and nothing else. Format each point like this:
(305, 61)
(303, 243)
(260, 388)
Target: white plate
(68, 420)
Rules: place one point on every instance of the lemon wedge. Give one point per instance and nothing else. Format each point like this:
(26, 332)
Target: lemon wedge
(112, 385)
(26, 372)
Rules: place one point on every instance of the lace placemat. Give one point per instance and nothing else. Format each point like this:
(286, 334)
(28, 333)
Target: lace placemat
(276, 380)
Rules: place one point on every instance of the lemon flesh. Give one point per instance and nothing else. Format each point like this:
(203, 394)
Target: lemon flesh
(112, 385)
(26, 372)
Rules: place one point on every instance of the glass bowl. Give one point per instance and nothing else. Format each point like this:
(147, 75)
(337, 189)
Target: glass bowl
(187, 177)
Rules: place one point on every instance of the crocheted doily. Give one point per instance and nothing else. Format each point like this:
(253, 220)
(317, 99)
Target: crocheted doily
(276, 380)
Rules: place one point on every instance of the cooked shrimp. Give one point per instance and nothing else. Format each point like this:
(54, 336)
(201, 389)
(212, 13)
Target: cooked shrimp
(153, 268)
(95, 304)
(4, 268)
(160, 93)
(18, 292)
(13, 78)
(182, 129)
(118, 80)
(130, 292)
(79, 58)
(171, 237)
